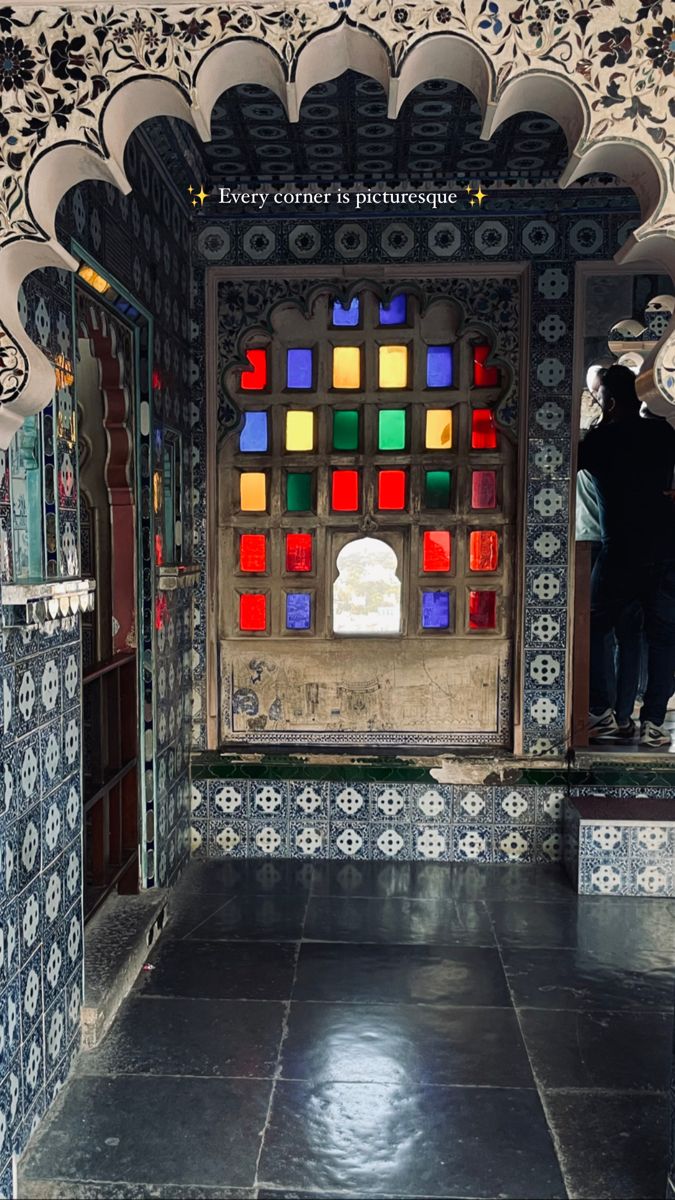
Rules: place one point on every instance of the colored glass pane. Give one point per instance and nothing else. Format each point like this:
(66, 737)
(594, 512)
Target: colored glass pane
(299, 368)
(435, 610)
(253, 612)
(391, 490)
(484, 489)
(438, 435)
(436, 551)
(345, 491)
(393, 366)
(299, 430)
(484, 376)
(483, 550)
(255, 378)
(348, 315)
(346, 367)
(253, 438)
(395, 313)
(437, 489)
(253, 552)
(252, 491)
(483, 430)
(298, 491)
(439, 366)
(298, 610)
(391, 429)
(298, 551)
(346, 430)
(482, 610)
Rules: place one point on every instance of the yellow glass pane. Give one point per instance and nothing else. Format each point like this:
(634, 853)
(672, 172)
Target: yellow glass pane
(252, 491)
(393, 366)
(346, 367)
(299, 430)
(439, 429)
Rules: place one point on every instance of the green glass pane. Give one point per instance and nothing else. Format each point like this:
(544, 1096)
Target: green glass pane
(437, 489)
(346, 430)
(391, 431)
(298, 491)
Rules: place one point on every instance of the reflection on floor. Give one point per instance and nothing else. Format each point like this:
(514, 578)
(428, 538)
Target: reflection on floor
(398, 1030)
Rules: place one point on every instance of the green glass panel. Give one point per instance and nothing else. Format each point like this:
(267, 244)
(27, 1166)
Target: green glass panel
(391, 429)
(346, 430)
(298, 491)
(437, 489)
(26, 492)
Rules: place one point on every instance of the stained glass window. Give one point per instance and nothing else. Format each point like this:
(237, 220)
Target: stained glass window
(383, 418)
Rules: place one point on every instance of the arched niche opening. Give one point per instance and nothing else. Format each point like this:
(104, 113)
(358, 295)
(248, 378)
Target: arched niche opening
(367, 589)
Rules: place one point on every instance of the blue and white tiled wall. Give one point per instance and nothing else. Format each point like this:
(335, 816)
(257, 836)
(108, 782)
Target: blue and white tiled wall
(613, 857)
(313, 819)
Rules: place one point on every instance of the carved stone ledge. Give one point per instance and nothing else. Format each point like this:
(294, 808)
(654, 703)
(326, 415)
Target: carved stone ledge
(186, 575)
(45, 604)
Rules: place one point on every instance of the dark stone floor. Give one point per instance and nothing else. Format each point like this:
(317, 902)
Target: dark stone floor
(397, 1030)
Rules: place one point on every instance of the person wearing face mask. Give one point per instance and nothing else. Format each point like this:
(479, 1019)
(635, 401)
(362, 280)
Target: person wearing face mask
(631, 460)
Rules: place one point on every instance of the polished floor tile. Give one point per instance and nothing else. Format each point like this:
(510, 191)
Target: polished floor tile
(409, 1045)
(382, 1140)
(441, 881)
(220, 970)
(397, 921)
(275, 918)
(611, 1145)
(188, 910)
(575, 979)
(176, 1036)
(465, 975)
(193, 1131)
(622, 1050)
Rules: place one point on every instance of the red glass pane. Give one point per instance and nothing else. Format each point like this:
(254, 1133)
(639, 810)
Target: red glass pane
(391, 490)
(253, 552)
(484, 376)
(436, 550)
(482, 610)
(483, 550)
(483, 430)
(298, 551)
(255, 379)
(252, 612)
(345, 491)
(484, 489)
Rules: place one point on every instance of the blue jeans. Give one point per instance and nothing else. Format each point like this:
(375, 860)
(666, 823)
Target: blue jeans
(619, 591)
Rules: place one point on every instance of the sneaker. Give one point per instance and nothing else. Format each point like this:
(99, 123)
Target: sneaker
(602, 727)
(628, 731)
(654, 736)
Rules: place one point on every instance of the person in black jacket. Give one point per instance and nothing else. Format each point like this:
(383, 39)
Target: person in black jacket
(632, 460)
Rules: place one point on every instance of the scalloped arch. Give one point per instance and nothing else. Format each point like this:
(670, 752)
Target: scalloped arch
(496, 64)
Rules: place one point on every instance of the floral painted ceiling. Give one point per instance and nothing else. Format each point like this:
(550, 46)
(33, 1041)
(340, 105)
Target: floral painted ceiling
(344, 136)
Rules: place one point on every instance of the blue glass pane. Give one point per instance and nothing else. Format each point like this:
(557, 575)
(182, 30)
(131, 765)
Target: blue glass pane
(435, 610)
(298, 610)
(439, 366)
(346, 316)
(299, 369)
(395, 313)
(253, 437)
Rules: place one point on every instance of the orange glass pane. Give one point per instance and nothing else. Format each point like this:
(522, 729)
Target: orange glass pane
(391, 490)
(438, 434)
(253, 552)
(346, 367)
(436, 551)
(483, 489)
(482, 610)
(483, 430)
(298, 551)
(393, 367)
(253, 612)
(483, 550)
(484, 376)
(255, 379)
(345, 491)
(252, 491)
